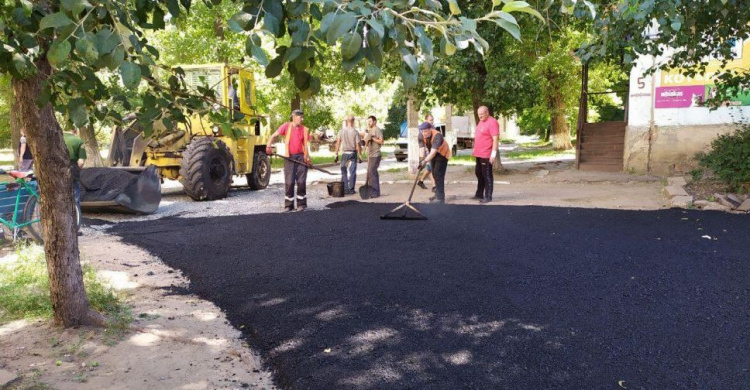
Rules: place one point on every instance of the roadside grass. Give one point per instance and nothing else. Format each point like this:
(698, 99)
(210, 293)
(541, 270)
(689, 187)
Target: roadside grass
(536, 144)
(277, 162)
(395, 170)
(24, 291)
(536, 153)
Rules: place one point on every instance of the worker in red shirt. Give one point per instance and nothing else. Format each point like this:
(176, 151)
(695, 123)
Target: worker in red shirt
(485, 152)
(296, 138)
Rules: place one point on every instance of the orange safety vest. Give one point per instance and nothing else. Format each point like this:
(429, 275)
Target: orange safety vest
(444, 149)
(305, 137)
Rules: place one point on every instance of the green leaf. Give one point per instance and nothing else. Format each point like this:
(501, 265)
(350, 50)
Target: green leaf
(455, 10)
(302, 80)
(157, 20)
(131, 75)
(468, 25)
(118, 57)
(375, 55)
(522, 6)
(292, 53)
(56, 20)
(408, 78)
(377, 27)
(271, 24)
(350, 45)
(77, 112)
(676, 25)
(106, 40)
(274, 67)
(174, 8)
(447, 47)
(58, 52)
(239, 22)
(510, 27)
(86, 48)
(257, 52)
(340, 26)
(410, 61)
(325, 23)
(373, 39)
(74, 6)
(22, 64)
(372, 73)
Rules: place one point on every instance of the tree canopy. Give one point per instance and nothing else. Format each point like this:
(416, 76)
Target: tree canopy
(698, 30)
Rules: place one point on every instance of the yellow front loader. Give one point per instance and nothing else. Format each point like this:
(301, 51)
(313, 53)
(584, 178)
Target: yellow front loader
(202, 156)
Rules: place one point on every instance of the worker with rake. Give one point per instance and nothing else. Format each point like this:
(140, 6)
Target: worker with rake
(437, 152)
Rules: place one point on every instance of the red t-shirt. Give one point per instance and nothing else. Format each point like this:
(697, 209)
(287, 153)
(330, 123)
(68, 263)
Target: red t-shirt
(297, 136)
(483, 137)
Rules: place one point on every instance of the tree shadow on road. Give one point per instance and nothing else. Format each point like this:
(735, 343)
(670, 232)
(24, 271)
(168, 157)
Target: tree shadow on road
(475, 297)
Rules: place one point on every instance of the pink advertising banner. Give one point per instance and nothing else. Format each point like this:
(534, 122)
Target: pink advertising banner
(680, 97)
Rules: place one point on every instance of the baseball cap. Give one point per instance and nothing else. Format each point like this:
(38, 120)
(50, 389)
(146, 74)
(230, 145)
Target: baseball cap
(425, 126)
(298, 113)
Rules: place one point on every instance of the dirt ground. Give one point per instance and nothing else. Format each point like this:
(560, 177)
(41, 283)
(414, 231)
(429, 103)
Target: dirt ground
(179, 341)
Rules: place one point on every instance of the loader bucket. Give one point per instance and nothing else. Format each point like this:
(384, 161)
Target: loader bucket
(124, 190)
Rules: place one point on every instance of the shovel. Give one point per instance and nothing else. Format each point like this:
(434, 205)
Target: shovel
(395, 214)
(366, 191)
(303, 164)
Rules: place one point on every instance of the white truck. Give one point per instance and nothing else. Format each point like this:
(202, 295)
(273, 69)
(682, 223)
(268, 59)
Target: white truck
(461, 136)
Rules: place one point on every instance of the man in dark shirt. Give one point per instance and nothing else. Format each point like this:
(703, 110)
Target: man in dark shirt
(437, 152)
(77, 155)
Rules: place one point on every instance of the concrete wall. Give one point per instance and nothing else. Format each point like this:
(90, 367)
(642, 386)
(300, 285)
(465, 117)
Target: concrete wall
(663, 140)
(667, 150)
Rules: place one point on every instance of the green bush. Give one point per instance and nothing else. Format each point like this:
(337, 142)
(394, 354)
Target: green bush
(729, 158)
(396, 116)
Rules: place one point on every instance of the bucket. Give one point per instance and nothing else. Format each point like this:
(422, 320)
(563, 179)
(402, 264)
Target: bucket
(336, 189)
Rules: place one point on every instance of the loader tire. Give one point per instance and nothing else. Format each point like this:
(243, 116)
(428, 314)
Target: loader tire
(261, 174)
(206, 169)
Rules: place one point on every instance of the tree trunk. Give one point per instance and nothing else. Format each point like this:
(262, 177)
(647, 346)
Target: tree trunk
(412, 123)
(69, 301)
(295, 105)
(15, 128)
(93, 155)
(497, 166)
(560, 130)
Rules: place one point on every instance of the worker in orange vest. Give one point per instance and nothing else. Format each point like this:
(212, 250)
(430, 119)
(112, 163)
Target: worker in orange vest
(437, 151)
(296, 139)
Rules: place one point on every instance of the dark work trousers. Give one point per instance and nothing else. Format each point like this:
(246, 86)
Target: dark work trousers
(349, 170)
(373, 177)
(295, 174)
(485, 180)
(439, 166)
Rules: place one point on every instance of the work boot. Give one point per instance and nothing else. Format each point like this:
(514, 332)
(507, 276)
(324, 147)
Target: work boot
(421, 185)
(485, 200)
(435, 200)
(301, 208)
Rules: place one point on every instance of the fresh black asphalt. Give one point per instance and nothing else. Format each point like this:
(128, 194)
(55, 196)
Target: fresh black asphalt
(476, 297)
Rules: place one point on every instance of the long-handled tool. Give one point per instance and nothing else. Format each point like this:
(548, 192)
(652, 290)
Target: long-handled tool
(303, 164)
(406, 207)
(366, 191)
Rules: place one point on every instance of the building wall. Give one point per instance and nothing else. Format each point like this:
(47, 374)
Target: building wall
(667, 123)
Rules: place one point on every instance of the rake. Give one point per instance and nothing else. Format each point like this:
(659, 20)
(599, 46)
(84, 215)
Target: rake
(402, 212)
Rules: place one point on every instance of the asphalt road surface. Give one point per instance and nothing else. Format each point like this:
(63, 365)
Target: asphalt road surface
(476, 297)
